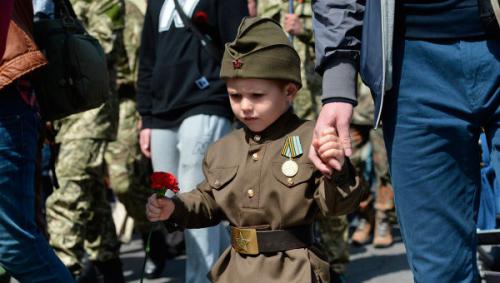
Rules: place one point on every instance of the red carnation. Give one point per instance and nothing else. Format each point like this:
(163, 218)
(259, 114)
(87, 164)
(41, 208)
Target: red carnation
(163, 181)
(200, 17)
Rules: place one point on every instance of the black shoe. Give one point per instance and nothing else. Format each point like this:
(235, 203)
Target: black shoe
(153, 270)
(158, 254)
(110, 270)
(88, 273)
(337, 277)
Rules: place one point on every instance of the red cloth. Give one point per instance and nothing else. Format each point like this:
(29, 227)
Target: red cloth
(5, 14)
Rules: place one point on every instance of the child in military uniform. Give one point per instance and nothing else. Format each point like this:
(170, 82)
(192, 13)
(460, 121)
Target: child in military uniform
(259, 178)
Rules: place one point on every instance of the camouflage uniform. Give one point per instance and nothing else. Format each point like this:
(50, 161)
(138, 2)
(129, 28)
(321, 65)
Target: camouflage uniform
(128, 169)
(78, 214)
(362, 123)
(306, 103)
(333, 230)
(334, 237)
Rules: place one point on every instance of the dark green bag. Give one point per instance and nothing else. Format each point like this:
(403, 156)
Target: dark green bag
(76, 77)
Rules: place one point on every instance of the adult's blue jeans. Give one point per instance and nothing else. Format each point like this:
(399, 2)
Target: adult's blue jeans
(444, 93)
(24, 252)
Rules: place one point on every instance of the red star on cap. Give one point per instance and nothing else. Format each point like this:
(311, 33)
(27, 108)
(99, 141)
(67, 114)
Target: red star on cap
(237, 64)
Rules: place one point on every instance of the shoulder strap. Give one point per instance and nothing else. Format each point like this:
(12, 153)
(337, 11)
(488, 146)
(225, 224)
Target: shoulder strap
(64, 11)
(206, 42)
(496, 10)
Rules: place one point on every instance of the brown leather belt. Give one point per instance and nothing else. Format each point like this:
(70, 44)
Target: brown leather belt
(252, 241)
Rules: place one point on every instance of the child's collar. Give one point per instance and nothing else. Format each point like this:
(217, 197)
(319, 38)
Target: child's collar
(283, 125)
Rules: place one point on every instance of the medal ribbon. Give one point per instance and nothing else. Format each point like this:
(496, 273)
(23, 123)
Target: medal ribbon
(292, 147)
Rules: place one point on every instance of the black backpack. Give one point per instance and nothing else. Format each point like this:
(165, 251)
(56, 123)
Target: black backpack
(76, 78)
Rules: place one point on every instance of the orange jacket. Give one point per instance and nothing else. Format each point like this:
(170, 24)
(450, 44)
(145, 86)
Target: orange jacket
(21, 55)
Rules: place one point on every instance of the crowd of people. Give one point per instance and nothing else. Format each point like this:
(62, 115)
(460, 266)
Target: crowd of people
(219, 93)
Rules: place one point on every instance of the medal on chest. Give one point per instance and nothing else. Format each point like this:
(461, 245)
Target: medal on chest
(291, 149)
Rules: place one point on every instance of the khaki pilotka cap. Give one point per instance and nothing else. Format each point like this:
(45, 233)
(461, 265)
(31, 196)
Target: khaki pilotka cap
(261, 50)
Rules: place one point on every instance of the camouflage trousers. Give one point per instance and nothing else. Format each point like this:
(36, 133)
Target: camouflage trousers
(306, 104)
(366, 135)
(128, 169)
(334, 238)
(384, 198)
(79, 217)
(333, 230)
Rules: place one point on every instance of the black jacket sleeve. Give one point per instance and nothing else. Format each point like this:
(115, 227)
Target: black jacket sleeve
(230, 13)
(147, 58)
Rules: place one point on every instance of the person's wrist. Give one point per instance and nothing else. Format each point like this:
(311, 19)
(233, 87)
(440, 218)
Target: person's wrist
(146, 121)
(339, 100)
(171, 208)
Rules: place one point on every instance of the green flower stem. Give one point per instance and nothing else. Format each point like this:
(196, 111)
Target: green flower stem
(147, 250)
(159, 194)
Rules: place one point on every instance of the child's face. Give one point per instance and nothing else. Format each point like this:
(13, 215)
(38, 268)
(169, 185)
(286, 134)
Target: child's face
(257, 103)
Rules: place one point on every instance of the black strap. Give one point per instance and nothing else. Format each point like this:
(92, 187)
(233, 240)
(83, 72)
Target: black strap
(271, 241)
(64, 11)
(206, 42)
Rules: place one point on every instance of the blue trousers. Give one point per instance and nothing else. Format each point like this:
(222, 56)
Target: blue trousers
(24, 252)
(444, 93)
(181, 151)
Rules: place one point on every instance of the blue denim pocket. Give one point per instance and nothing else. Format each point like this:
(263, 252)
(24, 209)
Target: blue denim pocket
(11, 137)
(18, 147)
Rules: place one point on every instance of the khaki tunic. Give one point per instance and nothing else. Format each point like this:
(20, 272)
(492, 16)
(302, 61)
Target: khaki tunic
(243, 161)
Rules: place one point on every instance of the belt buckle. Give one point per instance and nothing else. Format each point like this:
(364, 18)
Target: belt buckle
(244, 240)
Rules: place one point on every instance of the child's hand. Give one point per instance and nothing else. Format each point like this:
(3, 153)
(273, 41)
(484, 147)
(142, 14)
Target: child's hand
(159, 209)
(330, 149)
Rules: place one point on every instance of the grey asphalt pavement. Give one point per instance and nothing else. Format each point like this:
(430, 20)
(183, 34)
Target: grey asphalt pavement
(368, 264)
(388, 265)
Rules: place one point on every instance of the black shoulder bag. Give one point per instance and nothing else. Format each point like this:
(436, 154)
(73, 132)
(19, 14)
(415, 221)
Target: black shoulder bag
(76, 78)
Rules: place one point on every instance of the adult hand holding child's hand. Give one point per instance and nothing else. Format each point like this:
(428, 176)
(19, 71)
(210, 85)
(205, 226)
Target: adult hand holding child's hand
(337, 116)
(330, 149)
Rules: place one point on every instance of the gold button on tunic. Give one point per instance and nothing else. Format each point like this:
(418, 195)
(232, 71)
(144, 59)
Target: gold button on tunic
(250, 193)
(255, 156)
